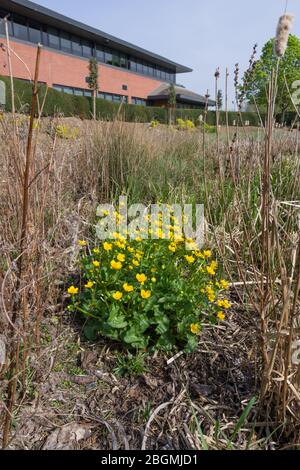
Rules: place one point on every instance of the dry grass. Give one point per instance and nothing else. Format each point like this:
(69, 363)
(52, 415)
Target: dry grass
(67, 181)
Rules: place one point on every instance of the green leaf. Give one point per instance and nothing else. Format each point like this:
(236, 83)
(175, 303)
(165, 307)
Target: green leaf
(116, 319)
(91, 330)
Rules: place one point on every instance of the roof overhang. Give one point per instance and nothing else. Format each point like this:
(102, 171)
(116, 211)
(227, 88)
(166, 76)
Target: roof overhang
(51, 18)
(183, 99)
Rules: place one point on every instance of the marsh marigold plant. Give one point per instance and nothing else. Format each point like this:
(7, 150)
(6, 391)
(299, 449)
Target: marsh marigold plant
(149, 294)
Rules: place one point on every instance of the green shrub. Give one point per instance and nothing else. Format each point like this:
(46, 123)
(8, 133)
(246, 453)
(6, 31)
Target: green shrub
(149, 294)
(69, 105)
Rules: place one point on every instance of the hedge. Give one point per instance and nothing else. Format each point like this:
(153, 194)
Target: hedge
(70, 105)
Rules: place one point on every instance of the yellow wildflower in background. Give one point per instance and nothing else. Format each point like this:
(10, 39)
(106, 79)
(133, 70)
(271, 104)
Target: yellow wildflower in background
(172, 247)
(107, 246)
(221, 316)
(195, 328)
(117, 265)
(96, 251)
(89, 285)
(128, 288)
(145, 294)
(117, 295)
(224, 304)
(82, 243)
(224, 284)
(96, 264)
(141, 278)
(190, 259)
(73, 290)
(121, 257)
(207, 254)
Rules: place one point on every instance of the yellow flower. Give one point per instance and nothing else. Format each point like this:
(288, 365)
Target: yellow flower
(73, 290)
(130, 249)
(107, 246)
(96, 251)
(121, 257)
(128, 288)
(224, 284)
(154, 280)
(190, 259)
(145, 294)
(199, 254)
(89, 285)
(210, 294)
(138, 239)
(120, 245)
(207, 254)
(211, 270)
(172, 247)
(135, 262)
(130, 268)
(96, 264)
(221, 316)
(117, 295)
(195, 328)
(82, 243)
(117, 265)
(141, 278)
(224, 304)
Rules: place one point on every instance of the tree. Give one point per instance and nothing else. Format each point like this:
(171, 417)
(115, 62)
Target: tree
(172, 103)
(93, 81)
(256, 80)
(220, 99)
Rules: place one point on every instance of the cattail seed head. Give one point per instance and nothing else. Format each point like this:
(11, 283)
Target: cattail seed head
(284, 28)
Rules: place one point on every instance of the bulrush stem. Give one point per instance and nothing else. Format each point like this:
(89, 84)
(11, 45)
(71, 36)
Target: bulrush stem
(21, 301)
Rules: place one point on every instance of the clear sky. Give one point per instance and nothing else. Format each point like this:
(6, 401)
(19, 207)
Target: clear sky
(202, 34)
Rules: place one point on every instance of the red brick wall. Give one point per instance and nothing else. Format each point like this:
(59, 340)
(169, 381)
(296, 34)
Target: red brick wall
(62, 69)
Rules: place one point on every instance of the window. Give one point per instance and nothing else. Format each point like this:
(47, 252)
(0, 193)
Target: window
(88, 93)
(113, 97)
(65, 42)
(76, 46)
(87, 50)
(132, 65)
(100, 54)
(139, 67)
(20, 28)
(116, 60)
(108, 57)
(34, 33)
(53, 38)
(124, 87)
(72, 91)
(123, 62)
(3, 14)
(138, 101)
(78, 92)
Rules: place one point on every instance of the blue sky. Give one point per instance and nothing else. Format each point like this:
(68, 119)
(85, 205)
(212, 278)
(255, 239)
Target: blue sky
(202, 34)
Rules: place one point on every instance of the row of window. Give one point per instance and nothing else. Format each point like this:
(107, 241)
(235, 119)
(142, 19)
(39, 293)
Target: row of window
(27, 30)
(113, 97)
(138, 101)
(83, 92)
(73, 91)
(105, 96)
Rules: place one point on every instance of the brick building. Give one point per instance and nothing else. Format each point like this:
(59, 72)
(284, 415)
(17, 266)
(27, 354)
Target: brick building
(126, 72)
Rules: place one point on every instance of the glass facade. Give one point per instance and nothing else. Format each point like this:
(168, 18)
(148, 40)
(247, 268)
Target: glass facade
(73, 91)
(138, 101)
(23, 29)
(113, 97)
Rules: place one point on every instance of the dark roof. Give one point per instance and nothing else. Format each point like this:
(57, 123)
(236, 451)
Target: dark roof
(51, 18)
(182, 94)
